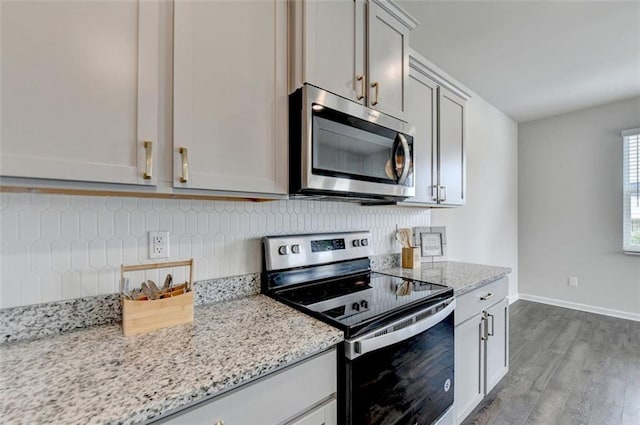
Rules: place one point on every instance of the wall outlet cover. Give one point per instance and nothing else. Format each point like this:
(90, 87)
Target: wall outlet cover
(573, 281)
(158, 244)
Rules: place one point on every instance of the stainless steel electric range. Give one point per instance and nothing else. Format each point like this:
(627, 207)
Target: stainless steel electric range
(396, 365)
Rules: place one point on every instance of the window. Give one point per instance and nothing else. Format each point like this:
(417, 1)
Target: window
(631, 190)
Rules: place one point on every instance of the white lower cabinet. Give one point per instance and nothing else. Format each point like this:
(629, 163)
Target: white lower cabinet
(469, 365)
(302, 394)
(325, 414)
(482, 344)
(497, 344)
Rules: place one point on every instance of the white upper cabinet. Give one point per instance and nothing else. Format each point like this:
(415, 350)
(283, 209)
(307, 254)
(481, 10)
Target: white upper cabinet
(332, 57)
(354, 48)
(451, 147)
(230, 96)
(422, 107)
(79, 90)
(436, 109)
(388, 59)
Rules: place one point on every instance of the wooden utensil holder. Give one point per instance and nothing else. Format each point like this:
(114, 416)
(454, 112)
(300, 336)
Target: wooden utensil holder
(148, 315)
(411, 258)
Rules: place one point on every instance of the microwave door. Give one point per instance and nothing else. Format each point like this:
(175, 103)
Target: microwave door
(343, 149)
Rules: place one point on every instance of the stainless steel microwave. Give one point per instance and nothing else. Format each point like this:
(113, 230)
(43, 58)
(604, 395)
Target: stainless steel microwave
(338, 148)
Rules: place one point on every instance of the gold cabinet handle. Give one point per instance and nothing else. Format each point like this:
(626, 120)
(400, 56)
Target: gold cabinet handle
(375, 85)
(148, 147)
(185, 165)
(362, 85)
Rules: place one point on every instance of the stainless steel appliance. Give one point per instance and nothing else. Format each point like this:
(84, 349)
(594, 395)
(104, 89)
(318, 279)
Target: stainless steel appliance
(396, 365)
(341, 148)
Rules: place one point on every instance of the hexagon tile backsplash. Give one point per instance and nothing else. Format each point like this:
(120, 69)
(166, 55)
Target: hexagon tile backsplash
(56, 247)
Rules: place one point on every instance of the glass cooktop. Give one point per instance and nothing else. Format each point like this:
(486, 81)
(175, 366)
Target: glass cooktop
(356, 303)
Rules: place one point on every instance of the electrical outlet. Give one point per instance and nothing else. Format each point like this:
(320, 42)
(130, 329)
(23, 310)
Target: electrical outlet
(573, 281)
(158, 245)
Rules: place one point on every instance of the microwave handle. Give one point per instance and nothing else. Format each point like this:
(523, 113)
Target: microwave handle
(407, 160)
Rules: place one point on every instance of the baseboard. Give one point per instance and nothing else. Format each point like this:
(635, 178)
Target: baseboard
(513, 298)
(582, 307)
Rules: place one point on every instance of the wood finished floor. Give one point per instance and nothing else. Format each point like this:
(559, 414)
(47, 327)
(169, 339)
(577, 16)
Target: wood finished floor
(566, 367)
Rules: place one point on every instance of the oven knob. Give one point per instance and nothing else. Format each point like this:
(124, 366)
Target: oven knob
(356, 243)
(364, 304)
(364, 242)
(295, 249)
(356, 306)
(283, 250)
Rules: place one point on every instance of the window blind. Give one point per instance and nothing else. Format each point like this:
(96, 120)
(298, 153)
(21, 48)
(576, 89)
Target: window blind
(631, 188)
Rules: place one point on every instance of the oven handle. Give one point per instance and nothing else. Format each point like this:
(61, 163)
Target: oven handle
(369, 343)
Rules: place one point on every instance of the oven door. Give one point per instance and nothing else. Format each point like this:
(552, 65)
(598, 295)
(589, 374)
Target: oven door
(403, 373)
(354, 150)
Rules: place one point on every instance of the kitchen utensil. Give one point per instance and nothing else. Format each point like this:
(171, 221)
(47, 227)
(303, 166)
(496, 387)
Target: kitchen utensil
(404, 237)
(154, 289)
(403, 289)
(146, 289)
(168, 281)
(124, 287)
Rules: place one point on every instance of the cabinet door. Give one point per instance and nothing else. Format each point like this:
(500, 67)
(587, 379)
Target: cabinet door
(275, 399)
(334, 34)
(469, 366)
(451, 139)
(324, 415)
(497, 356)
(230, 96)
(79, 84)
(388, 62)
(421, 113)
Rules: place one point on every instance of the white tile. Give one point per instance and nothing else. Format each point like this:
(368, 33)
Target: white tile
(88, 224)
(30, 288)
(51, 287)
(136, 222)
(97, 254)
(40, 257)
(50, 224)
(9, 226)
(121, 224)
(106, 226)
(29, 226)
(79, 255)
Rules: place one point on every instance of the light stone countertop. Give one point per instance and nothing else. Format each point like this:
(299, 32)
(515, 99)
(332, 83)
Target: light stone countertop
(98, 376)
(462, 277)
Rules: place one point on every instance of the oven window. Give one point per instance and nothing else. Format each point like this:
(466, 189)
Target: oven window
(405, 383)
(346, 146)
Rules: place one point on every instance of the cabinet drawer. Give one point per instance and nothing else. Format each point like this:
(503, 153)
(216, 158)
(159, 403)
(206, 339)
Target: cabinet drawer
(480, 299)
(274, 399)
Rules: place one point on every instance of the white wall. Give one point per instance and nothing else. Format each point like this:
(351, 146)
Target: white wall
(570, 202)
(485, 230)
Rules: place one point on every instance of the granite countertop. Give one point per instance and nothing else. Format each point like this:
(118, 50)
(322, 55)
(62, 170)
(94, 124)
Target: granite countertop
(462, 277)
(99, 376)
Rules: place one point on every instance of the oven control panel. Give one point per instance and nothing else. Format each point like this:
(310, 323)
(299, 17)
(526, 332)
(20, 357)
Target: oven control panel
(285, 252)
